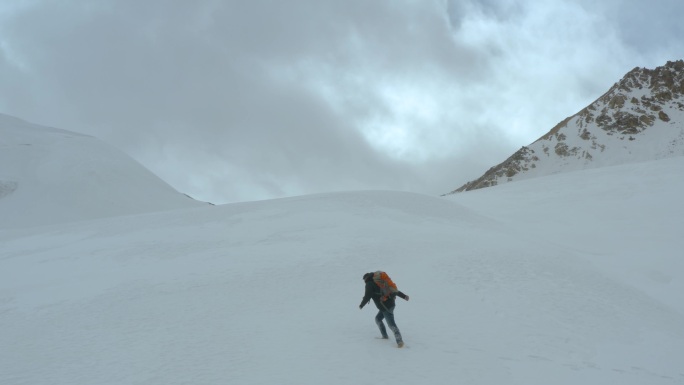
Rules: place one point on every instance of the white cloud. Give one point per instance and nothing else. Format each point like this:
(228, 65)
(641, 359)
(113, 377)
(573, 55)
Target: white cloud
(231, 100)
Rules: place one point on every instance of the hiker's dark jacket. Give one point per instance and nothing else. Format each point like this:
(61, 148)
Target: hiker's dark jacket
(373, 292)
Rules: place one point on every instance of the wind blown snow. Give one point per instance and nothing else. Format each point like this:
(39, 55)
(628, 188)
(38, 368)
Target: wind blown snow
(569, 279)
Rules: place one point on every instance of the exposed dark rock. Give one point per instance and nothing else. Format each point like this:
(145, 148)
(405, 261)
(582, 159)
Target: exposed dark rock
(663, 116)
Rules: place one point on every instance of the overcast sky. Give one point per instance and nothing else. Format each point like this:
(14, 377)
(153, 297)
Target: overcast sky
(244, 100)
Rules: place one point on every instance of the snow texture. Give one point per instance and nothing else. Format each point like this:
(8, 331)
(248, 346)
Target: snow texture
(574, 278)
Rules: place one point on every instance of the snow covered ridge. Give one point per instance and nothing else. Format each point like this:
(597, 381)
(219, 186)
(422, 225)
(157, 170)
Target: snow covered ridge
(640, 118)
(49, 176)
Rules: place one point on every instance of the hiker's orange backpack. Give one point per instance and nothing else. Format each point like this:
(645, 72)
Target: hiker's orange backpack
(387, 287)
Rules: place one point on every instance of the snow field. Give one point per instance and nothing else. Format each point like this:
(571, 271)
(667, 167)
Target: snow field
(518, 284)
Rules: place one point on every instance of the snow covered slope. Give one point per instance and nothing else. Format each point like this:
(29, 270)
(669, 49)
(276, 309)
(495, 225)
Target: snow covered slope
(640, 118)
(577, 280)
(49, 175)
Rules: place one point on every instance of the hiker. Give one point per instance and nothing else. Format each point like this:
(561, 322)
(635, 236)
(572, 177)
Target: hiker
(382, 290)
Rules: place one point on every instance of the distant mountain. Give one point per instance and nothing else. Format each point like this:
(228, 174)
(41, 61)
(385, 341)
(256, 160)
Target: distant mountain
(640, 118)
(48, 176)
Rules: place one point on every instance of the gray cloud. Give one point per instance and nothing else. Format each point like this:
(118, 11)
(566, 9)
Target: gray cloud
(230, 100)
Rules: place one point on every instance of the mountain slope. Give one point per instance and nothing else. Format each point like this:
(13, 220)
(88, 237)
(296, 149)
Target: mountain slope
(563, 285)
(640, 118)
(49, 175)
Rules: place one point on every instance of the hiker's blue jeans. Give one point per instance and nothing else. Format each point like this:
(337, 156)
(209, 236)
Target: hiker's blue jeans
(389, 316)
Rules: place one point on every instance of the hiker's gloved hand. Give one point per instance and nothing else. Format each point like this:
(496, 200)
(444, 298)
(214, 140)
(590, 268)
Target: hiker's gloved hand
(407, 298)
(360, 306)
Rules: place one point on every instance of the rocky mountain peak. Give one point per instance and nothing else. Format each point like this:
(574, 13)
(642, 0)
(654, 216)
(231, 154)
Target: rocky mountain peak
(639, 118)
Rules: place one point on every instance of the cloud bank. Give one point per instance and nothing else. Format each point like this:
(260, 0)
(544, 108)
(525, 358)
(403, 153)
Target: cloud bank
(233, 101)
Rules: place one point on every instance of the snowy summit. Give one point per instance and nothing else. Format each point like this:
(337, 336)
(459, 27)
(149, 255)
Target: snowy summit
(640, 118)
(50, 175)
